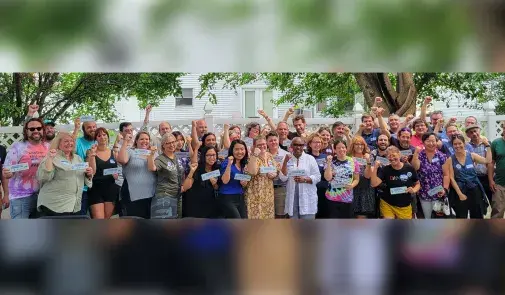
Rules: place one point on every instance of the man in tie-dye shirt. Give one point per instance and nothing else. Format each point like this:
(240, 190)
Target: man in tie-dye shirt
(23, 184)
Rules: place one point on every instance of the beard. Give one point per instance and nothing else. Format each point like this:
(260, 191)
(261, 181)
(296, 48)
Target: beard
(38, 138)
(89, 136)
(50, 136)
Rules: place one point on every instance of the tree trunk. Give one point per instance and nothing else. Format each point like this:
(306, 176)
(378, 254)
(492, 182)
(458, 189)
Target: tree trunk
(400, 100)
(18, 94)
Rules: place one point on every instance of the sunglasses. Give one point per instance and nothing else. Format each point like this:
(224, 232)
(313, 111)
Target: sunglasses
(36, 128)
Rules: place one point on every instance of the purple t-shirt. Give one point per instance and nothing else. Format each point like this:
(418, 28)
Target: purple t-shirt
(25, 183)
(430, 173)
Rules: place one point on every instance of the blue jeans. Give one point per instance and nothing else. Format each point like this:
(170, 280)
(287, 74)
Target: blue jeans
(164, 207)
(24, 207)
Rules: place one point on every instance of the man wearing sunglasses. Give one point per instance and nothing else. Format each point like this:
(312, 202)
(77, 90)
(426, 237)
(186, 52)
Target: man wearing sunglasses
(23, 184)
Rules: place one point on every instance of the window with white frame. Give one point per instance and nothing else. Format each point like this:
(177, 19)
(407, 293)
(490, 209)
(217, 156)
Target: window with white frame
(186, 99)
(257, 99)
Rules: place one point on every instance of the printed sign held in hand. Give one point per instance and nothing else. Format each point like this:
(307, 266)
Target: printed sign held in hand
(18, 167)
(212, 174)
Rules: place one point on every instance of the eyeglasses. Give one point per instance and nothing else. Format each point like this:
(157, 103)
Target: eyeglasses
(298, 145)
(36, 128)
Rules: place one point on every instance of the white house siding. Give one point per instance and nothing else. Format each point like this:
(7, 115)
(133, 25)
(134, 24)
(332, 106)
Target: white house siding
(229, 104)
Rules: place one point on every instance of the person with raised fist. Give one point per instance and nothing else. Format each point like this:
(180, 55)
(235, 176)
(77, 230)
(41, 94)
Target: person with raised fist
(82, 145)
(200, 195)
(260, 191)
(170, 172)
(367, 130)
(364, 202)
(231, 191)
(342, 173)
(139, 181)
(399, 184)
(105, 192)
(61, 182)
(433, 171)
(301, 191)
(23, 186)
(163, 128)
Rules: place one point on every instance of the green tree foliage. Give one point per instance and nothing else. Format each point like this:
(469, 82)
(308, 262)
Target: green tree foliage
(61, 96)
(339, 89)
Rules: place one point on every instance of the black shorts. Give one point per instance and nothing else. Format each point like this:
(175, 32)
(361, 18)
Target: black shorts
(101, 193)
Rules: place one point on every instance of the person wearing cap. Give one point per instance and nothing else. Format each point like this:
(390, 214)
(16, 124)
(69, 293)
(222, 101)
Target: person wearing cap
(481, 147)
(49, 130)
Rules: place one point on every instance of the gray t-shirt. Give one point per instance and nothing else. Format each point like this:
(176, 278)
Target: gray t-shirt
(170, 173)
(141, 181)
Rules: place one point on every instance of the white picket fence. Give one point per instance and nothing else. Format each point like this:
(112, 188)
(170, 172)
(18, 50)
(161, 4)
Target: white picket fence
(492, 125)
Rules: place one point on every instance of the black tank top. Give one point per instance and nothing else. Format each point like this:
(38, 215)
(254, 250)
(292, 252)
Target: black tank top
(101, 165)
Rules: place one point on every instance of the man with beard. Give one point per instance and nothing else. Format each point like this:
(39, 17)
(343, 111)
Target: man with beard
(82, 146)
(380, 155)
(480, 145)
(367, 130)
(49, 130)
(23, 186)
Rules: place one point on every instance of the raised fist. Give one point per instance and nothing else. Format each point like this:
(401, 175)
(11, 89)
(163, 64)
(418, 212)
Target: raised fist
(378, 99)
(427, 99)
(257, 151)
(52, 153)
(149, 108)
(230, 160)
(32, 109)
(329, 158)
(153, 149)
(77, 123)
(92, 150)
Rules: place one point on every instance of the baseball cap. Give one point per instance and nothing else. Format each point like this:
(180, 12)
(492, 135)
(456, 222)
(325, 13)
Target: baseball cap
(49, 122)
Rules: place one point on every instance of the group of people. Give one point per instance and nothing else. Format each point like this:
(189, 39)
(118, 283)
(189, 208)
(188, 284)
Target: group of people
(392, 170)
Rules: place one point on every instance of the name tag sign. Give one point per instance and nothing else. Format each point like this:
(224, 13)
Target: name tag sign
(339, 183)
(87, 119)
(383, 161)
(212, 174)
(80, 166)
(182, 155)
(141, 152)
(435, 160)
(469, 166)
(248, 142)
(406, 153)
(244, 177)
(435, 190)
(279, 159)
(296, 172)
(360, 161)
(18, 167)
(268, 169)
(223, 153)
(398, 190)
(286, 142)
(111, 171)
